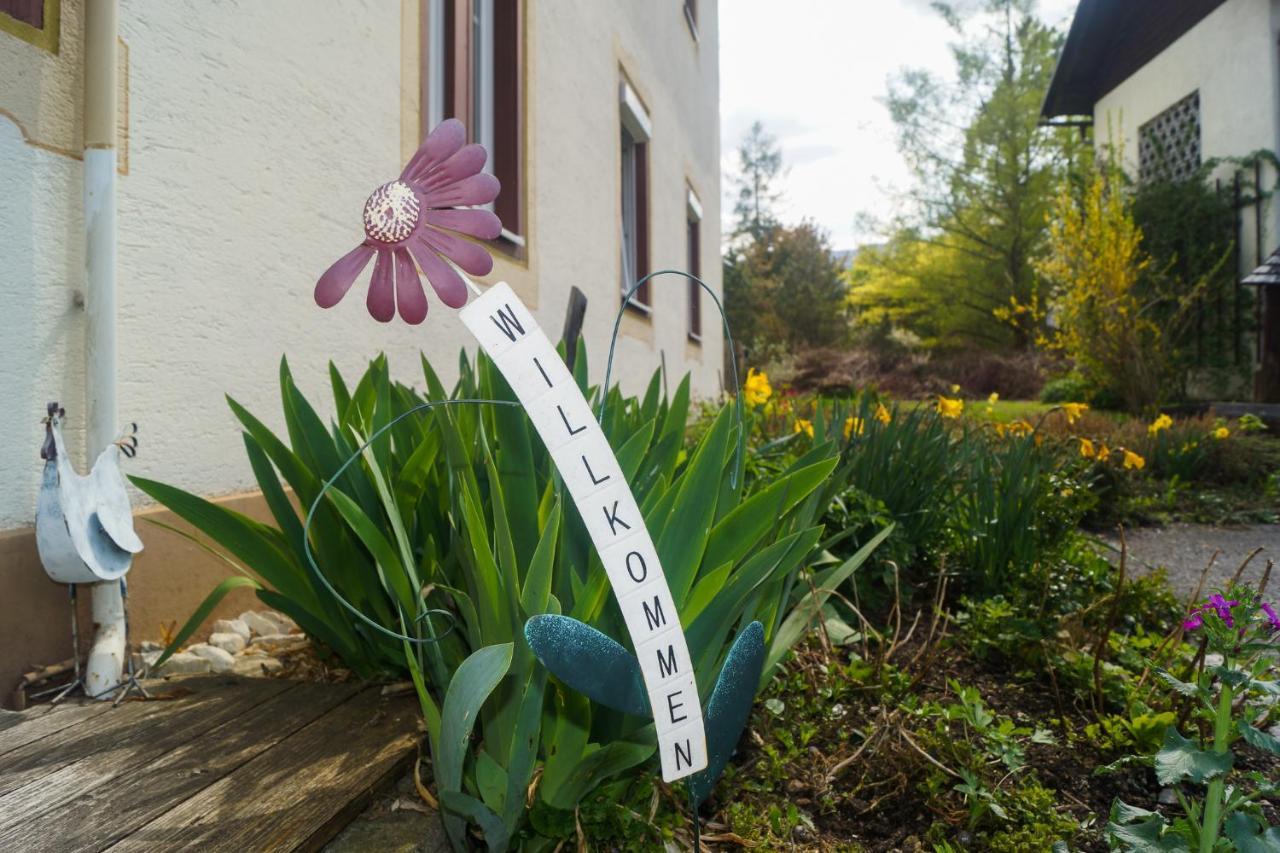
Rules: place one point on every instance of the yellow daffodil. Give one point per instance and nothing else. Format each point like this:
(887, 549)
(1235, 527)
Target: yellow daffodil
(1133, 461)
(955, 389)
(1074, 411)
(1104, 453)
(882, 414)
(1162, 422)
(1021, 428)
(1087, 449)
(756, 390)
(804, 426)
(853, 425)
(1001, 429)
(950, 408)
(1221, 433)
(994, 398)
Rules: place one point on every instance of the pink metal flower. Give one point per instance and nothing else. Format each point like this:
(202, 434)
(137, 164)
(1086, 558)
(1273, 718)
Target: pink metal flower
(414, 218)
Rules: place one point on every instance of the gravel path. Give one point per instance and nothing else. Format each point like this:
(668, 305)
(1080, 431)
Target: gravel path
(1184, 549)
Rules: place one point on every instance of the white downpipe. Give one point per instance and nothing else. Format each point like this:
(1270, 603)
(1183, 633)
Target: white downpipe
(105, 668)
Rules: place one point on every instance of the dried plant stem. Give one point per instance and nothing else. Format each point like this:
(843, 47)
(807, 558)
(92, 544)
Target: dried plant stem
(1105, 637)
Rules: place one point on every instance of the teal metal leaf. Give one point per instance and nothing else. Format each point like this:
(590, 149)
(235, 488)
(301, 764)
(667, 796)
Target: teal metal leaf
(729, 707)
(589, 662)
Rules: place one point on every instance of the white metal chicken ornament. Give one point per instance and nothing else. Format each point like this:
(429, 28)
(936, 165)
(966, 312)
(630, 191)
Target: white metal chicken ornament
(84, 534)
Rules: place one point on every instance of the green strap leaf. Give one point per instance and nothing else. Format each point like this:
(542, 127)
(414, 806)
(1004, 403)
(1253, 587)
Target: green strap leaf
(495, 832)
(202, 612)
(470, 686)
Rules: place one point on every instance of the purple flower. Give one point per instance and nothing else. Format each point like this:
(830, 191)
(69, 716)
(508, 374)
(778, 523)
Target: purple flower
(1220, 604)
(418, 217)
(1271, 616)
(1194, 620)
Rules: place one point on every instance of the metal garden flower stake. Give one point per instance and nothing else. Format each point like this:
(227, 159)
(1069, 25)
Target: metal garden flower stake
(415, 218)
(420, 217)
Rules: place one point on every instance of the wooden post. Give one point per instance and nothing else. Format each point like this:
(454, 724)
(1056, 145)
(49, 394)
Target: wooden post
(1266, 382)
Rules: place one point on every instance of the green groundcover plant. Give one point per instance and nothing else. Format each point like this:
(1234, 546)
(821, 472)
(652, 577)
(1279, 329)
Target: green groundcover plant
(1231, 695)
(450, 530)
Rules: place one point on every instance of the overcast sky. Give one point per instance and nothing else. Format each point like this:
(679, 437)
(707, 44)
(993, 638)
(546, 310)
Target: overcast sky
(816, 77)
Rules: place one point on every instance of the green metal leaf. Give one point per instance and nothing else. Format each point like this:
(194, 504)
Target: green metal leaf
(589, 662)
(729, 707)
(1179, 760)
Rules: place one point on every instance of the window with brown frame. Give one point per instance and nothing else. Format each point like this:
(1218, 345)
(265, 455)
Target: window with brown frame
(34, 21)
(473, 70)
(634, 198)
(693, 263)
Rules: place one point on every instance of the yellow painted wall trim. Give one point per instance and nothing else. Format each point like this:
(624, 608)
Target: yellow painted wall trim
(46, 38)
(122, 120)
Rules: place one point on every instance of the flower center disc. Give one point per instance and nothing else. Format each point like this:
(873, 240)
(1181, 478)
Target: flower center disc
(391, 213)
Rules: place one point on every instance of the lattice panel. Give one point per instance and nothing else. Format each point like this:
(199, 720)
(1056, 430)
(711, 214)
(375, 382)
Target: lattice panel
(1169, 144)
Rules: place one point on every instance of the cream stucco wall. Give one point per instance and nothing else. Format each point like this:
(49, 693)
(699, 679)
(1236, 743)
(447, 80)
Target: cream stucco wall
(255, 132)
(1231, 58)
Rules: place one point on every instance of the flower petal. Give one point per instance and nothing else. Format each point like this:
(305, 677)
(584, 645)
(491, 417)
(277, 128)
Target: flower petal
(472, 258)
(443, 278)
(477, 189)
(382, 290)
(483, 224)
(441, 144)
(337, 280)
(410, 300)
(467, 162)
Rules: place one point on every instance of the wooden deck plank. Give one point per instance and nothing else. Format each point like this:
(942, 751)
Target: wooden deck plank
(76, 728)
(110, 812)
(297, 795)
(45, 782)
(44, 720)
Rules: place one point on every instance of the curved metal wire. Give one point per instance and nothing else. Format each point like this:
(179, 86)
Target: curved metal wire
(733, 361)
(306, 528)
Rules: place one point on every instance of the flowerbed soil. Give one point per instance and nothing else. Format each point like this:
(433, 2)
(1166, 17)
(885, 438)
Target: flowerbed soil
(793, 755)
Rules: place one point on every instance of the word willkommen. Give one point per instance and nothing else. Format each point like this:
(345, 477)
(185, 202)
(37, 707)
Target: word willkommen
(586, 462)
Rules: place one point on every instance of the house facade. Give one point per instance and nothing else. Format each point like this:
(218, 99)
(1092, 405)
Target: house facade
(248, 136)
(1176, 84)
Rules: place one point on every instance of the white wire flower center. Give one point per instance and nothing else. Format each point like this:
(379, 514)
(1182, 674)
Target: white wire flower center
(391, 213)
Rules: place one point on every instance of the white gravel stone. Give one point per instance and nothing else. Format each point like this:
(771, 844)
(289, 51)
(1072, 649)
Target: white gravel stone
(227, 642)
(257, 665)
(259, 624)
(284, 625)
(150, 646)
(233, 626)
(186, 663)
(1213, 659)
(1167, 797)
(219, 660)
(277, 642)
